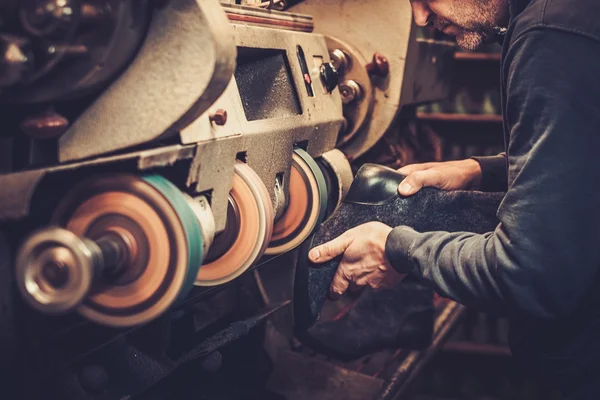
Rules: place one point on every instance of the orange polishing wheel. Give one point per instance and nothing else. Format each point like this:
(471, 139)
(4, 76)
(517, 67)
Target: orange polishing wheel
(306, 207)
(163, 244)
(248, 231)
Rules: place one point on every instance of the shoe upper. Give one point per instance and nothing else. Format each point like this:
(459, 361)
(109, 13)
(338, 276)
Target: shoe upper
(374, 185)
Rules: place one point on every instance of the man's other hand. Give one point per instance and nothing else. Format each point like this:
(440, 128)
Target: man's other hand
(449, 175)
(363, 262)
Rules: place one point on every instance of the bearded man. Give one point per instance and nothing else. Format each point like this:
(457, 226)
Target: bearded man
(540, 265)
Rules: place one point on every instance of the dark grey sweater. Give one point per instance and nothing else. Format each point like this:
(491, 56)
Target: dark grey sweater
(541, 262)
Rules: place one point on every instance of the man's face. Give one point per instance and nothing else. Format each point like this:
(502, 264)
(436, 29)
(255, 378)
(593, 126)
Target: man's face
(471, 21)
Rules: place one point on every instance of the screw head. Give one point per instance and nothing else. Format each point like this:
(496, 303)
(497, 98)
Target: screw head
(219, 117)
(47, 125)
(379, 66)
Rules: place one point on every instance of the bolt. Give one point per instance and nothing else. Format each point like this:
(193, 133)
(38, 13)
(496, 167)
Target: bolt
(48, 125)
(340, 60)
(379, 66)
(350, 91)
(219, 117)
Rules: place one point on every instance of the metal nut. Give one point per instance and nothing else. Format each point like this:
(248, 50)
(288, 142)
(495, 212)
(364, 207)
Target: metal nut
(340, 60)
(350, 91)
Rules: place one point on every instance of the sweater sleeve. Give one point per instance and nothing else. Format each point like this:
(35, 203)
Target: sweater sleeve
(544, 256)
(493, 173)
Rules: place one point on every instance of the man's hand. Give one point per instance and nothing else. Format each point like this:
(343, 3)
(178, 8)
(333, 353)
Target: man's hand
(450, 175)
(364, 261)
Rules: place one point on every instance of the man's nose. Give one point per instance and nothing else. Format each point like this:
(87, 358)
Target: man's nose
(421, 12)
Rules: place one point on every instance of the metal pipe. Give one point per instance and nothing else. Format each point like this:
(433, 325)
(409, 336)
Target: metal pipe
(416, 360)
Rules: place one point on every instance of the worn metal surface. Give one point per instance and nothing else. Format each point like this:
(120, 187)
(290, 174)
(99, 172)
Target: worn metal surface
(268, 143)
(358, 112)
(416, 67)
(183, 67)
(265, 84)
(369, 26)
(212, 172)
(15, 201)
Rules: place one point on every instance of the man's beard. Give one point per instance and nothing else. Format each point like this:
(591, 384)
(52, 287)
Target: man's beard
(476, 23)
(470, 40)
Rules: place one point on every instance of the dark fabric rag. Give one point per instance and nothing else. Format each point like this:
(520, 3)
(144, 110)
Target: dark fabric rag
(428, 210)
(401, 317)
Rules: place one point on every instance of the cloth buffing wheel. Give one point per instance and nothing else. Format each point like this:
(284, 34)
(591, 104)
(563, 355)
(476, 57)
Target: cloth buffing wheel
(307, 204)
(163, 239)
(338, 175)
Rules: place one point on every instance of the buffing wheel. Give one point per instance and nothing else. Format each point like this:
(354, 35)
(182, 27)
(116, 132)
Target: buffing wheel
(266, 210)
(190, 223)
(306, 207)
(163, 239)
(248, 231)
(339, 177)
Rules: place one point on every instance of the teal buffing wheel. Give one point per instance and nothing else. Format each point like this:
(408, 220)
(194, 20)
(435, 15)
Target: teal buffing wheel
(148, 218)
(190, 225)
